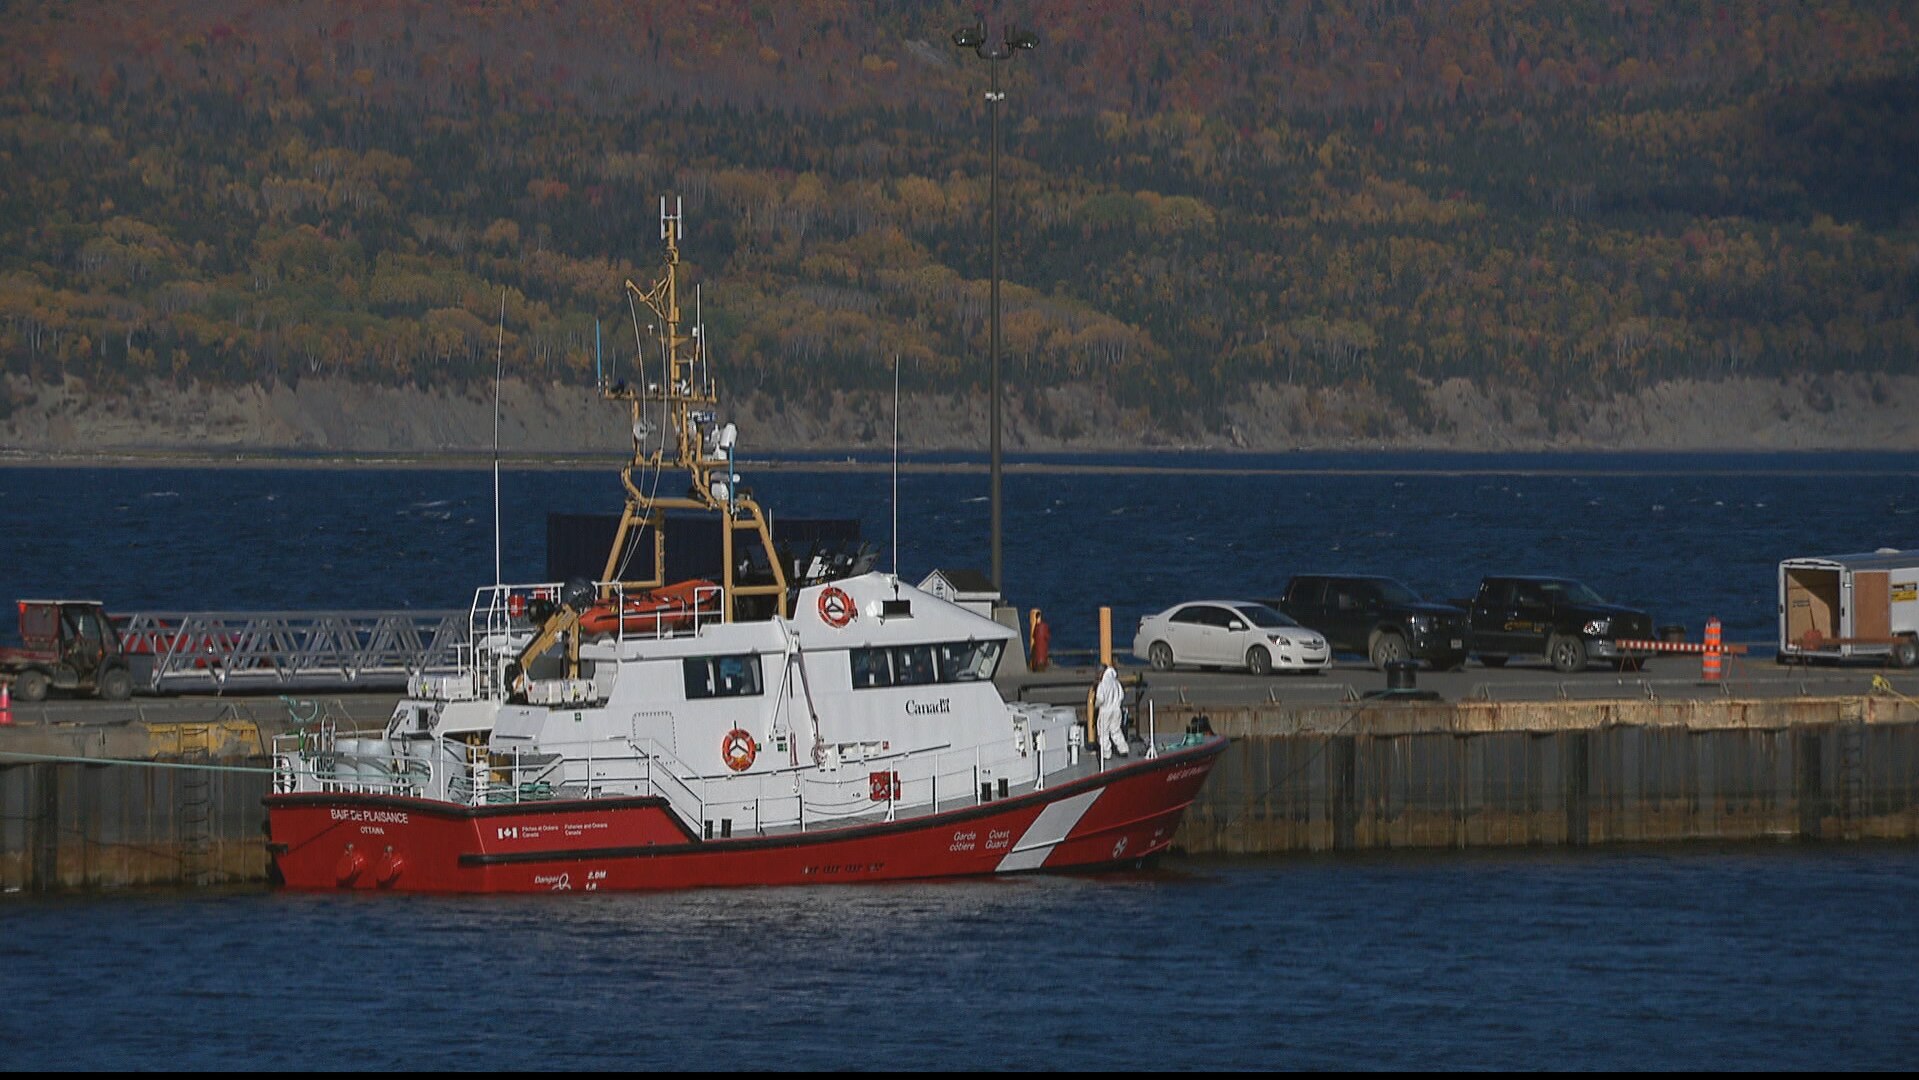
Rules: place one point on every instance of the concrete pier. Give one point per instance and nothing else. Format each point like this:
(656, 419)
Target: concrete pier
(1300, 776)
(1374, 775)
(189, 814)
(175, 798)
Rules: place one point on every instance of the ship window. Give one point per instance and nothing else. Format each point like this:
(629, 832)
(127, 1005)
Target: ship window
(920, 665)
(913, 666)
(871, 668)
(723, 677)
(969, 661)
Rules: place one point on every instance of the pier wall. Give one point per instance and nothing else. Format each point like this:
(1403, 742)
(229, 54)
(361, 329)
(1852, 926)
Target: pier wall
(1350, 777)
(82, 826)
(1366, 776)
(68, 826)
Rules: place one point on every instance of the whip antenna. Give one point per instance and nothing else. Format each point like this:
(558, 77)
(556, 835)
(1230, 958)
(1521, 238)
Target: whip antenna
(499, 366)
(896, 469)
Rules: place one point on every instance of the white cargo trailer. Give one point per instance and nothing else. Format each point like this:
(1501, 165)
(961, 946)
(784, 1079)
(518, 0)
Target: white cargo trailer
(1843, 607)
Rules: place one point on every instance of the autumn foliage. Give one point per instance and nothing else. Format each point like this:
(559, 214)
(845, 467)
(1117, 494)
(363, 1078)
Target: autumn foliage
(1571, 197)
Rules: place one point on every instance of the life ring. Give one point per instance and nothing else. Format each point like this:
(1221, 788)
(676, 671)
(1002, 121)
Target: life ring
(739, 750)
(836, 608)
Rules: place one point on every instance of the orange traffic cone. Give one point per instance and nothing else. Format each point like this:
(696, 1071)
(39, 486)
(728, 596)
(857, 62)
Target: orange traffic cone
(1709, 661)
(6, 704)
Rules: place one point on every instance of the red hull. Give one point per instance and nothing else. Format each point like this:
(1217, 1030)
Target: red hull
(324, 841)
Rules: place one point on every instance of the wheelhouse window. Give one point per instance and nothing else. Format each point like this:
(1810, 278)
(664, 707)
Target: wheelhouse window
(723, 677)
(871, 668)
(969, 661)
(913, 666)
(921, 665)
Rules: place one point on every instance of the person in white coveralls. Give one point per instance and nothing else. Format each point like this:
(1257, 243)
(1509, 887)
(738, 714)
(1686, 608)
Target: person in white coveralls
(1106, 702)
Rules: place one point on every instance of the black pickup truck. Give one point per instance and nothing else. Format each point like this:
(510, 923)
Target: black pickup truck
(1557, 618)
(1376, 617)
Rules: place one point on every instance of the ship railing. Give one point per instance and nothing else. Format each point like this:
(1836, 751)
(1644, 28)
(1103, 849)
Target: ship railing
(701, 616)
(666, 777)
(644, 768)
(317, 760)
(504, 777)
(958, 778)
(499, 611)
(708, 601)
(464, 681)
(498, 624)
(302, 757)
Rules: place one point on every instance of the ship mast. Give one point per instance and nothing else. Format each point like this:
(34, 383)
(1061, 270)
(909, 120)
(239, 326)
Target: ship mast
(701, 448)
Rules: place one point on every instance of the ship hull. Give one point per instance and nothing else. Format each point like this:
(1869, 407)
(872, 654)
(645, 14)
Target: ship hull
(371, 842)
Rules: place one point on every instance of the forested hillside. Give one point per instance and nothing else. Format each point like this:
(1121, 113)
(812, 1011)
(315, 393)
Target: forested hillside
(1576, 199)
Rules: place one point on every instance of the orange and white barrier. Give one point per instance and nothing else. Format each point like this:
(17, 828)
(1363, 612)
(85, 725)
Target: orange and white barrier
(6, 704)
(1710, 662)
(1692, 648)
(1711, 652)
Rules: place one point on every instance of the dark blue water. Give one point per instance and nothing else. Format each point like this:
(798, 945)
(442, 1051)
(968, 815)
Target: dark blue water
(1665, 958)
(1686, 536)
(1681, 957)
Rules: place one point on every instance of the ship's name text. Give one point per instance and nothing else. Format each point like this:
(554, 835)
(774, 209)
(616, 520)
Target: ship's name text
(384, 817)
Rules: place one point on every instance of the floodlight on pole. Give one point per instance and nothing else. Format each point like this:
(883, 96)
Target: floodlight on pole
(1012, 40)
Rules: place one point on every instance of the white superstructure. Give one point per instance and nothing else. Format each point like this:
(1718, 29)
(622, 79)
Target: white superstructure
(874, 699)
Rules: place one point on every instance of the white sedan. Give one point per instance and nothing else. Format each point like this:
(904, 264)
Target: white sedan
(1230, 633)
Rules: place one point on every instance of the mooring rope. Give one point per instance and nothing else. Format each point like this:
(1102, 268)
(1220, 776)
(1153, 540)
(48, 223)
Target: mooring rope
(1884, 685)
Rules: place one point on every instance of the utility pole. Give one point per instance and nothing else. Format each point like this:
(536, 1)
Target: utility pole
(994, 54)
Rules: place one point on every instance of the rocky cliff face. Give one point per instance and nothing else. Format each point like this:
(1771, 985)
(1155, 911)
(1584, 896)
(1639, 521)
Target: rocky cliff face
(1851, 412)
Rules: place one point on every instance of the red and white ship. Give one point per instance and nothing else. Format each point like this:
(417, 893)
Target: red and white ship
(765, 733)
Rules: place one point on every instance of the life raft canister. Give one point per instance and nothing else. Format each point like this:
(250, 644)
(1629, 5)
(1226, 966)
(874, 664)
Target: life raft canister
(739, 750)
(836, 608)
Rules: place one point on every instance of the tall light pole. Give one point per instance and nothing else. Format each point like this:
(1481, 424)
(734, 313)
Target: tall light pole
(994, 53)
